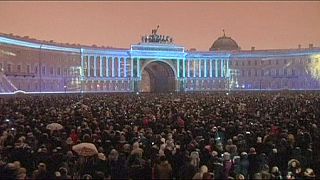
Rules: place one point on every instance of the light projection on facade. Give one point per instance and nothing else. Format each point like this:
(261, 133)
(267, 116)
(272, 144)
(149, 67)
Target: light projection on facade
(156, 64)
(314, 66)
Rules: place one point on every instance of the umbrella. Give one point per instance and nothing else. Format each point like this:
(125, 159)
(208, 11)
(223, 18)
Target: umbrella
(54, 126)
(177, 100)
(85, 149)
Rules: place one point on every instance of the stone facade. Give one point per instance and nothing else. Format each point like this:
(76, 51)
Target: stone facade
(37, 66)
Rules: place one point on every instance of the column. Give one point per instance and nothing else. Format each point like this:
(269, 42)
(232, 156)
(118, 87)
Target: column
(138, 67)
(112, 61)
(119, 67)
(101, 72)
(89, 66)
(205, 68)
(183, 68)
(225, 67)
(131, 66)
(125, 67)
(82, 67)
(188, 67)
(227, 61)
(199, 74)
(222, 67)
(194, 68)
(107, 67)
(216, 67)
(95, 66)
(210, 67)
(178, 68)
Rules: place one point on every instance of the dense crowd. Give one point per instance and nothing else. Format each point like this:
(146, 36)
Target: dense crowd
(235, 135)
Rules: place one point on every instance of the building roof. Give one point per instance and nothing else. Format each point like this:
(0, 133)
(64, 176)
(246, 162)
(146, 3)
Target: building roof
(224, 43)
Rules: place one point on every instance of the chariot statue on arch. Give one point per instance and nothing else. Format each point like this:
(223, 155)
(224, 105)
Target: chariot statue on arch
(155, 38)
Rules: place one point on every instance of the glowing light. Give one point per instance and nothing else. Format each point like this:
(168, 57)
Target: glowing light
(273, 54)
(314, 66)
(19, 43)
(19, 91)
(7, 53)
(36, 45)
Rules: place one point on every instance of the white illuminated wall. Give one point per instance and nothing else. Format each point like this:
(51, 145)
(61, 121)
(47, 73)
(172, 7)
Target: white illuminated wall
(39, 67)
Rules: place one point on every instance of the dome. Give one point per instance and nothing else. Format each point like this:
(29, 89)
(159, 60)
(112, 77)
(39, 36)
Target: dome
(224, 43)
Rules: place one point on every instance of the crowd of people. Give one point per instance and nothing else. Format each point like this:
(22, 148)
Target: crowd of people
(218, 135)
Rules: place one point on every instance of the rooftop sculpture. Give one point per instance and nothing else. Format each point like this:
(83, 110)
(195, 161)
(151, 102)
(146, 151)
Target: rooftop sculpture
(155, 38)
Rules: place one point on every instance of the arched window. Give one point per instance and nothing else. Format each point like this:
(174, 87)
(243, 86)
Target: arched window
(28, 68)
(9, 68)
(51, 70)
(43, 70)
(18, 68)
(59, 71)
(285, 72)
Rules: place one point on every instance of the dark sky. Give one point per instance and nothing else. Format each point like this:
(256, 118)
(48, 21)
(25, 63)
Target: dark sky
(265, 25)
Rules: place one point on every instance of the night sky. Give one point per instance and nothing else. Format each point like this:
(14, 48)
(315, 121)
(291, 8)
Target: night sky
(265, 25)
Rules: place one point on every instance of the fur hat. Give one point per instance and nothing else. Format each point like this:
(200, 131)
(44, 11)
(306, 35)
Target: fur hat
(194, 155)
(69, 141)
(226, 156)
(309, 173)
(252, 150)
(293, 163)
(101, 156)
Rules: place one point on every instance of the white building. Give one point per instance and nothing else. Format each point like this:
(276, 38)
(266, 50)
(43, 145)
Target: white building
(155, 64)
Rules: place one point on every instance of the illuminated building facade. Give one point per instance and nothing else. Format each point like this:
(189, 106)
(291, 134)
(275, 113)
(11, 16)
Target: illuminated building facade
(155, 64)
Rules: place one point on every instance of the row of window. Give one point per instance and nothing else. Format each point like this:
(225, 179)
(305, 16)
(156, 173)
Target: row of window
(52, 71)
(270, 72)
(31, 55)
(271, 62)
(110, 86)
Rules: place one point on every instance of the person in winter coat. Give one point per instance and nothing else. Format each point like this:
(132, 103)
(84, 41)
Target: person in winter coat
(227, 164)
(187, 171)
(253, 163)
(199, 175)
(244, 164)
(163, 169)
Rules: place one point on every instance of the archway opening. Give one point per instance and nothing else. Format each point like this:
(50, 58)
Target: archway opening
(157, 77)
